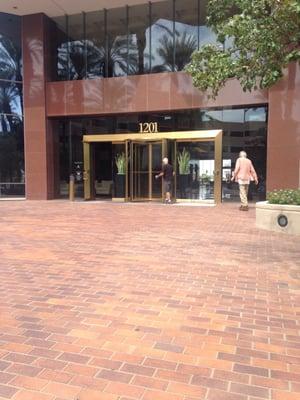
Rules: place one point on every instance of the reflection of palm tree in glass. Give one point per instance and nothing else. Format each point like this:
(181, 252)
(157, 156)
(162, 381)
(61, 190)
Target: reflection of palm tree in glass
(9, 101)
(10, 70)
(12, 151)
(185, 44)
(10, 60)
(121, 58)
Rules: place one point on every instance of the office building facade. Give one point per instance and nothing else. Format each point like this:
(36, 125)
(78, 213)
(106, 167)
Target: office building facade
(100, 93)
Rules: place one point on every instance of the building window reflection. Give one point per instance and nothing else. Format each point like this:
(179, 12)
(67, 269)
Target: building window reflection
(12, 171)
(186, 32)
(117, 43)
(95, 44)
(131, 40)
(139, 31)
(162, 37)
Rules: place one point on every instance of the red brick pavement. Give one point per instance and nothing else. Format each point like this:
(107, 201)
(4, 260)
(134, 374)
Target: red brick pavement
(148, 302)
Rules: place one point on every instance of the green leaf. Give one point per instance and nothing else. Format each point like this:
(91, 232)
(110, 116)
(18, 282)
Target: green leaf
(264, 39)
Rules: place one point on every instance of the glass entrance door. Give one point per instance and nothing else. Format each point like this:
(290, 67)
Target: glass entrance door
(198, 170)
(146, 159)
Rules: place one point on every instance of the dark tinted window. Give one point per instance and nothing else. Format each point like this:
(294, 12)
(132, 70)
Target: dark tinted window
(76, 43)
(95, 44)
(12, 174)
(117, 45)
(139, 56)
(186, 31)
(61, 50)
(10, 47)
(162, 37)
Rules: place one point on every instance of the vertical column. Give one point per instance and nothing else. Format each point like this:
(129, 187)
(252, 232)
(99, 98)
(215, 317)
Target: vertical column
(283, 159)
(38, 132)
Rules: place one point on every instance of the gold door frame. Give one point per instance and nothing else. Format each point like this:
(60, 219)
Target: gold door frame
(204, 135)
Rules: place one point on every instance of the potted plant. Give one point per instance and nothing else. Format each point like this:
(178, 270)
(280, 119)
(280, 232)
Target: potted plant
(205, 178)
(120, 179)
(281, 211)
(183, 159)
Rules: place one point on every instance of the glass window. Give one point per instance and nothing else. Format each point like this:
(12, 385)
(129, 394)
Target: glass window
(139, 40)
(116, 43)
(11, 100)
(162, 37)
(10, 47)
(95, 44)
(77, 51)
(195, 170)
(234, 116)
(12, 171)
(186, 31)
(206, 35)
(60, 52)
(256, 114)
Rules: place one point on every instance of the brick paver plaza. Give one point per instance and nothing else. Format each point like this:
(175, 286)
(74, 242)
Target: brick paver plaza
(151, 302)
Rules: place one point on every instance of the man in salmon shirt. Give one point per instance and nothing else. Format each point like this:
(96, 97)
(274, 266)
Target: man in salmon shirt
(244, 173)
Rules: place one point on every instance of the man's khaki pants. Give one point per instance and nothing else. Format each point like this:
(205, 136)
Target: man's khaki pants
(244, 188)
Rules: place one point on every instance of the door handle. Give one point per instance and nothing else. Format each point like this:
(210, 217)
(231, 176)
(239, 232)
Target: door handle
(86, 175)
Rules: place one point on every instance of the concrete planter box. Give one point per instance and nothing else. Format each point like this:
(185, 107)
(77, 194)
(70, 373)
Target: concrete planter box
(270, 216)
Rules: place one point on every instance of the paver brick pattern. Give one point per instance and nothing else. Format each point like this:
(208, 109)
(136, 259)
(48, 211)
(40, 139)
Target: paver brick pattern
(105, 301)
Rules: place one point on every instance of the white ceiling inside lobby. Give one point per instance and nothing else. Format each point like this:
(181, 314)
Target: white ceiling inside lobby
(54, 8)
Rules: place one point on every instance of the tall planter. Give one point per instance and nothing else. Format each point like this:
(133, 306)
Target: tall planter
(183, 159)
(183, 185)
(278, 217)
(120, 184)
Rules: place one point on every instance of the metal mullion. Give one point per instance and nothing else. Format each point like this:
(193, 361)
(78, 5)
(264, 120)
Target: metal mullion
(150, 36)
(85, 45)
(106, 43)
(68, 49)
(127, 170)
(175, 170)
(131, 171)
(174, 39)
(127, 33)
(150, 196)
(198, 29)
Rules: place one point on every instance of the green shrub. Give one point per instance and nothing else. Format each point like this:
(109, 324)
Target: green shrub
(284, 196)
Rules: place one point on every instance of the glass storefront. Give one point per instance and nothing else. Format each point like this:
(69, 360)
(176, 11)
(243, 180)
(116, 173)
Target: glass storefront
(196, 180)
(12, 171)
(243, 129)
(131, 40)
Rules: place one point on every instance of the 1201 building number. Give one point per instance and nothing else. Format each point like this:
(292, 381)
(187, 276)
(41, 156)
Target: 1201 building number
(149, 127)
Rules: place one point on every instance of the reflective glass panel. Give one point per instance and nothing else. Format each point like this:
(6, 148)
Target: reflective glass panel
(207, 36)
(139, 40)
(77, 51)
(116, 43)
(10, 47)
(195, 170)
(61, 52)
(11, 100)
(140, 171)
(120, 169)
(12, 170)
(156, 167)
(95, 44)
(186, 31)
(162, 37)
(244, 129)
